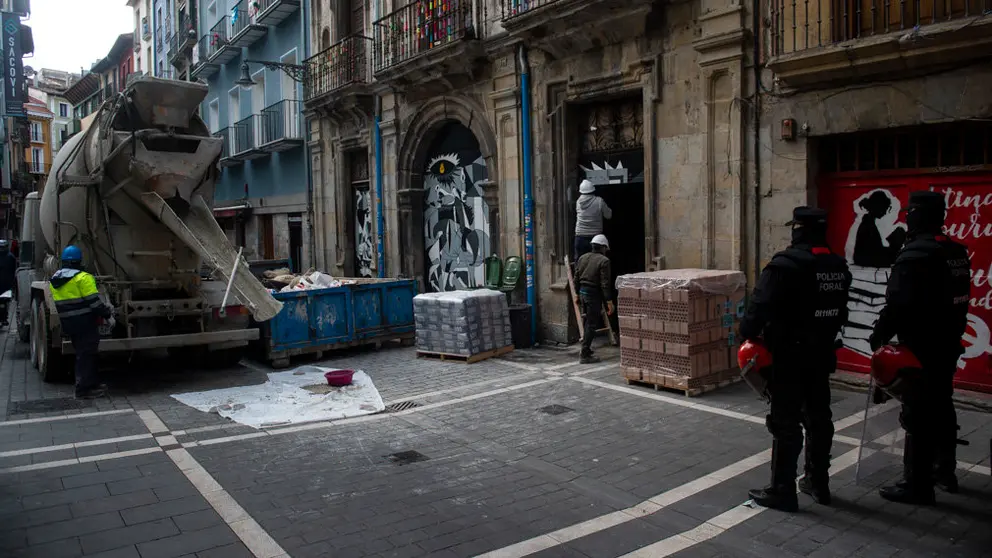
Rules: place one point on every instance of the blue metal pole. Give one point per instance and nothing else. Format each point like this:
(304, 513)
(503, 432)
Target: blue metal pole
(528, 189)
(380, 221)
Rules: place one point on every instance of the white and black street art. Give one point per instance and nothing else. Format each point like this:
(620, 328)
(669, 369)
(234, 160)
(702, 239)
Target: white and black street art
(456, 217)
(873, 242)
(364, 252)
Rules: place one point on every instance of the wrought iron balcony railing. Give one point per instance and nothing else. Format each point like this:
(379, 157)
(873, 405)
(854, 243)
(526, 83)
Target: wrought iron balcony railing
(513, 8)
(38, 167)
(37, 136)
(344, 63)
(218, 36)
(799, 25)
(146, 29)
(281, 122)
(159, 37)
(245, 135)
(418, 28)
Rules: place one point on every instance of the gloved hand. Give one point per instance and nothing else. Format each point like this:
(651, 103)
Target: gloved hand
(874, 342)
(878, 395)
(609, 308)
(111, 322)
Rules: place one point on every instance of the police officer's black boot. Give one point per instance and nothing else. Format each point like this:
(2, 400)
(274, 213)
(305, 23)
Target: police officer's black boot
(917, 484)
(781, 494)
(816, 480)
(944, 472)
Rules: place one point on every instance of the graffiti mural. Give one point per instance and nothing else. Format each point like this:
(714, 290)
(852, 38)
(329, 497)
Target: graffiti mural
(456, 217)
(867, 227)
(364, 253)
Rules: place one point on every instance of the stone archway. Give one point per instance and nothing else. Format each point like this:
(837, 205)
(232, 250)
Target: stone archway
(424, 134)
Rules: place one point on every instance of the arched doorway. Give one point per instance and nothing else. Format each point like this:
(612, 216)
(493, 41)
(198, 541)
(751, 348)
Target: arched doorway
(457, 231)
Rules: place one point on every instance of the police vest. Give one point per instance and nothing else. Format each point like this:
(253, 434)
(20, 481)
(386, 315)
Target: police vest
(948, 302)
(818, 293)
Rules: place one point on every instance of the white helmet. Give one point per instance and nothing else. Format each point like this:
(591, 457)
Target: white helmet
(586, 187)
(600, 240)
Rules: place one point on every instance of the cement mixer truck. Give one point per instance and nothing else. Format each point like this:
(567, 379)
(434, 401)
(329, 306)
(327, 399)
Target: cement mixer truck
(134, 191)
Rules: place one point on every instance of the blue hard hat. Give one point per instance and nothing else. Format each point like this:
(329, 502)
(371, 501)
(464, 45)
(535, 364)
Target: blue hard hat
(72, 254)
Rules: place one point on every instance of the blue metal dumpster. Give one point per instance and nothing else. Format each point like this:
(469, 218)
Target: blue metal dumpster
(368, 312)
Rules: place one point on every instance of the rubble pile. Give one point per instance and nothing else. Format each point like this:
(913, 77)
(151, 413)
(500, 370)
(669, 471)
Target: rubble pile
(284, 281)
(462, 323)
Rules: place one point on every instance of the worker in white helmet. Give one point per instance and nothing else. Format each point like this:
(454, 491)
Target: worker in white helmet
(594, 278)
(590, 210)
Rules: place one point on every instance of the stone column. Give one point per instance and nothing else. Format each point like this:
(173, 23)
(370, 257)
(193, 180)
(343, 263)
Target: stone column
(490, 194)
(410, 208)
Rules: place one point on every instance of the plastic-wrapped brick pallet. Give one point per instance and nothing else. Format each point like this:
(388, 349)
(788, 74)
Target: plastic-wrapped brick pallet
(678, 327)
(463, 323)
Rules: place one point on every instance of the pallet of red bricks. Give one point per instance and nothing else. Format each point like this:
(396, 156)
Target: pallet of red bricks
(678, 328)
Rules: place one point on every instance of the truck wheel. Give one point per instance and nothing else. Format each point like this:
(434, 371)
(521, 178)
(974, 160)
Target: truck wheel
(51, 362)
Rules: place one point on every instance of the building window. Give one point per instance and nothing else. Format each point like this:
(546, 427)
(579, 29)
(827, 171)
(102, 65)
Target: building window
(36, 132)
(63, 110)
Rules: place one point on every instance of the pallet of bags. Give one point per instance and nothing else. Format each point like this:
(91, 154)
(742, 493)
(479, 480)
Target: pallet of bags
(678, 328)
(465, 326)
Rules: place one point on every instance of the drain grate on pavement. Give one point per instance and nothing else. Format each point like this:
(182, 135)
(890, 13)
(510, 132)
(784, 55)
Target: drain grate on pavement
(48, 405)
(555, 410)
(406, 457)
(401, 406)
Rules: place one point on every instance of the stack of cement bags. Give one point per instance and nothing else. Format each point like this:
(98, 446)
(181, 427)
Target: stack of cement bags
(463, 323)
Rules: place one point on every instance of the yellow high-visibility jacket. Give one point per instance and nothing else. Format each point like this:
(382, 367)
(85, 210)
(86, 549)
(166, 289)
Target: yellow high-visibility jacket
(74, 292)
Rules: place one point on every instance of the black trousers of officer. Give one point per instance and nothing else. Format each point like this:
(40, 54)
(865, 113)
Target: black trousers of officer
(800, 400)
(930, 421)
(592, 306)
(84, 333)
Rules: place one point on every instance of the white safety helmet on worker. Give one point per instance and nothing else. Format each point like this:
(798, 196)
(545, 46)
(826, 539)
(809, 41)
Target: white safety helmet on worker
(586, 187)
(600, 240)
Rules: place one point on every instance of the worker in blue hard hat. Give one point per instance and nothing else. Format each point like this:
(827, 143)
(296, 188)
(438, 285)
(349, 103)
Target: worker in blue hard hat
(81, 312)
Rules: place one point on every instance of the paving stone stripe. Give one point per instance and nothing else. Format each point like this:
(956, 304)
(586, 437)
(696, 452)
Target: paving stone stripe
(647, 507)
(254, 537)
(74, 445)
(729, 519)
(79, 460)
(65, 417)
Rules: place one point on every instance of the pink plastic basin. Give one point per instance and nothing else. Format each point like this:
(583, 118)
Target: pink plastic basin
(338, 378)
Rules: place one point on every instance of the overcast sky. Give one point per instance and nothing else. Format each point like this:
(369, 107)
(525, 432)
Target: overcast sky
(70, 34)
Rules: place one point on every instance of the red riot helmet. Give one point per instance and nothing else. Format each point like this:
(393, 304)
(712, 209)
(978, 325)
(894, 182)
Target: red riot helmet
(889, 367)
(756, 351)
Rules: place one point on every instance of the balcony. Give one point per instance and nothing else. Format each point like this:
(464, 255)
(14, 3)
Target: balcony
(247, 138)
(38, 167)
(181, 41)
(227, 134)
(159, 44)
(344, 68)
(281, 127)
(427, 44)
(244, 30)
(821, 42)
(274, 12)
(37, 136)
(562, 28)
(219, 47)
(146, 29)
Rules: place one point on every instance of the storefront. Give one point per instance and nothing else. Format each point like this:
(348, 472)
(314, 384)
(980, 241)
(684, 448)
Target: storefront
(866, 185)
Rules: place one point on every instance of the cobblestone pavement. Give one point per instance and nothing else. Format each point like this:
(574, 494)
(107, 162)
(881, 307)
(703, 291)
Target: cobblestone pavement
(526, 455)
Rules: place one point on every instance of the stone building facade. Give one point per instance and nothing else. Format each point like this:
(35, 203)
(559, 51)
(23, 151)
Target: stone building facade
(701, 152)
(636, 96)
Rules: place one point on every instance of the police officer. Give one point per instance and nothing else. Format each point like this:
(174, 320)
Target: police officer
(926, 306)
(81, 312)
(797, 309)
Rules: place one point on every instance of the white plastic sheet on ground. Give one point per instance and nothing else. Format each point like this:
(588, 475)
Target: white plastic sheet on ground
(283, 400)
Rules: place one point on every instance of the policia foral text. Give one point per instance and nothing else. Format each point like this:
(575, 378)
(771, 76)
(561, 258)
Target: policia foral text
(926, 306)
(797, 310)
(81, 312)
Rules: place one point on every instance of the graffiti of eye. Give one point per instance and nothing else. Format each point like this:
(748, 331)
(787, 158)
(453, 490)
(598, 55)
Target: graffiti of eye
(443, 163)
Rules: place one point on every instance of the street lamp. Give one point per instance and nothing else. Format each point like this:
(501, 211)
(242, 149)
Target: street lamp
(294, 71)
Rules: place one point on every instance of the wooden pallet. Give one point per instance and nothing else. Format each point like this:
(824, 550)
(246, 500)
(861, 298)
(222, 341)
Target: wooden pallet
(467, 359)
(690, 387)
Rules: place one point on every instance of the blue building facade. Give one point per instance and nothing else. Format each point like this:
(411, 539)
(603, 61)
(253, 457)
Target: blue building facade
(163, 17)
(261, 198)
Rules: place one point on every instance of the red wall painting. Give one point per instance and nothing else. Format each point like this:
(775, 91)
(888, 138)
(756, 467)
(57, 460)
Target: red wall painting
(867, 228)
